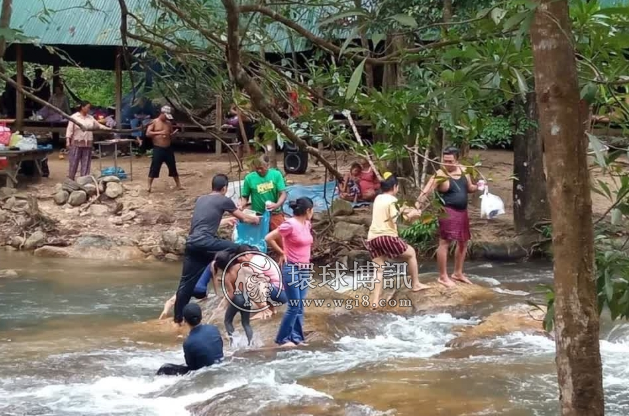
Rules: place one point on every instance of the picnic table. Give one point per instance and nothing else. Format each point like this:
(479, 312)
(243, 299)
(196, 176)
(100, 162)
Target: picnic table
(15, 159)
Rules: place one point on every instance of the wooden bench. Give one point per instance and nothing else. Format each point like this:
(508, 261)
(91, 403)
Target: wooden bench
(15, 159)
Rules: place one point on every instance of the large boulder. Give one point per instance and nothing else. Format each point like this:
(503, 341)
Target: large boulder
(20, 205)
(35, 240)
(77, 198)
(341, 207)
(61, 197)
(99, 210)
(84, 180)
(515, 318)
(6, 193)
(173, 241)
(17, 242)
(110, 179)
(51, 251)
(70, 186)
(9, 203)
(8, 274)
(344, 231)
(90, 189)
(114, 190)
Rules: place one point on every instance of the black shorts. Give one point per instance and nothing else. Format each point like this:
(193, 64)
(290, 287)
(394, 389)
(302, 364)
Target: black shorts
(163, 155)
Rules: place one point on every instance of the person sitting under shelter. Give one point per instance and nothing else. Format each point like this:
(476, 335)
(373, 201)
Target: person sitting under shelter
(202, 348)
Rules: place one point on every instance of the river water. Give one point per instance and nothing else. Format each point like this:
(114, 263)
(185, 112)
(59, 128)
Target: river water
(72, 342)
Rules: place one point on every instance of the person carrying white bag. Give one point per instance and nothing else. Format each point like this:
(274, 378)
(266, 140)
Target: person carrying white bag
(491, 205)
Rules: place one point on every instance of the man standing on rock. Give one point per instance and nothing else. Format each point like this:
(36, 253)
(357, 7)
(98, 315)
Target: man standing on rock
(161, 132)
(267, 190)
(203, 242)
(452, 184)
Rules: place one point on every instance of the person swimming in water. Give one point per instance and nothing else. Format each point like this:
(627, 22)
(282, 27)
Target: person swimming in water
(202, 348)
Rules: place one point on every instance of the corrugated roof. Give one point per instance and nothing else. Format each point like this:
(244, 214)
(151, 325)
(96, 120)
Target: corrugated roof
(97, 23)
(76, 22)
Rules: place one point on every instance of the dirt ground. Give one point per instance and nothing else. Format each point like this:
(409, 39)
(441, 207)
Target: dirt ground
(196, 171)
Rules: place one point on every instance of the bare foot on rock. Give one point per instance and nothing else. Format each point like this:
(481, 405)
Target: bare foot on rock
(419, 287)
(461, 278)
(445, 280)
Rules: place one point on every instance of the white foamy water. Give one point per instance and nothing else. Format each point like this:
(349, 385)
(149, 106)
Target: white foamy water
(510, 292)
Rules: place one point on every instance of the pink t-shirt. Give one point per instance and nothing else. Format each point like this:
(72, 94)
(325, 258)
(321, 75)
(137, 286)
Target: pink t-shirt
(263, 265)
(297, 240)
(368, 181)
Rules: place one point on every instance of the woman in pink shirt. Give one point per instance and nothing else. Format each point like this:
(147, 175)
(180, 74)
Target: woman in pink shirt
(79, 142)
(296, 236)
(368, 181)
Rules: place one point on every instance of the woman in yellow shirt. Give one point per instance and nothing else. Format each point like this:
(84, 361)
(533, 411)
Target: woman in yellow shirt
(383, 241)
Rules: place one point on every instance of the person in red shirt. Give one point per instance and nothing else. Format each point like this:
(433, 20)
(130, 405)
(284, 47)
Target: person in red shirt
(368, 181)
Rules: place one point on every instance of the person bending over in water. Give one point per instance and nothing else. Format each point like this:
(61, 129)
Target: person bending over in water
(202, 348)
(270, 271)
(226, 264)
(296, 236)
(383, 241)
(200, 291)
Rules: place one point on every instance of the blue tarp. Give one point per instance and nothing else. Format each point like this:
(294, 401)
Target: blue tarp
(253, 235)
(322, 196)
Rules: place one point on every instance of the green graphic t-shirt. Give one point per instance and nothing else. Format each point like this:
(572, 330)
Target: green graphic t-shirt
(262, 189)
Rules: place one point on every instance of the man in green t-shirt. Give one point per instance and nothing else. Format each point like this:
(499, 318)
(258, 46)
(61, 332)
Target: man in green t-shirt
(267, 190)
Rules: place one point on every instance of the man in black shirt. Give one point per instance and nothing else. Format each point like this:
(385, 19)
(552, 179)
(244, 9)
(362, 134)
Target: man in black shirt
(202, 242)
(202, 348)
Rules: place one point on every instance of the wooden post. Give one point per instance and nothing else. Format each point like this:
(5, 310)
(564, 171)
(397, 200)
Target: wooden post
(56, 79)
(118, 87)
(19, 100)
(218, 122)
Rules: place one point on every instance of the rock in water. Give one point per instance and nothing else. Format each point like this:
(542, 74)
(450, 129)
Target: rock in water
(114, 190)
(77, 198)
(171, 257)
(8, 274)
(110, 179)
(61, 197)
(347, 232)
(17, 241)
(36, 240)
(99, 210)
(50, 251)
(84, 180)
(90, 189)
(341, 207)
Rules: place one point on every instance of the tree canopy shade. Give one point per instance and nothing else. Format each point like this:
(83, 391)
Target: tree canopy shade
(87, 33)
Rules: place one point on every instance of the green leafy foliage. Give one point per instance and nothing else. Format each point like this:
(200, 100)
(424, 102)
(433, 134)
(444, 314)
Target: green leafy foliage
(422, 234)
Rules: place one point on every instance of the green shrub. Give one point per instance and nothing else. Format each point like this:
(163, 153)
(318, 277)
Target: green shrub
(421, 234)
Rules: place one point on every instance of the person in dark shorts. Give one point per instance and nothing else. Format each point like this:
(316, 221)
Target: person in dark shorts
(452, 185)
(224, 265)
(199, 293)
(202, 348)
(203, 243)
(383, 241)
(160, 131)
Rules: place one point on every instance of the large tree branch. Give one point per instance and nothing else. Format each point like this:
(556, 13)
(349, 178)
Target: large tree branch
(243, 80)
(56, 109)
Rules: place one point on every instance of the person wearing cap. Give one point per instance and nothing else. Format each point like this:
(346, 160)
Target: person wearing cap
(202, 348)
(161, 131)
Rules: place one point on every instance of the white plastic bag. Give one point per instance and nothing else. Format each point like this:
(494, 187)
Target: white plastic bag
(491, 205)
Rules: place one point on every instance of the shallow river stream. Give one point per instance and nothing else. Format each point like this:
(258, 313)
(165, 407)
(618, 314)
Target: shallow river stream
(72, 343)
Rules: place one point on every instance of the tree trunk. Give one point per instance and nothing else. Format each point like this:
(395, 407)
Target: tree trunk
(576, 313)
(530, 201)
(5, 23)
